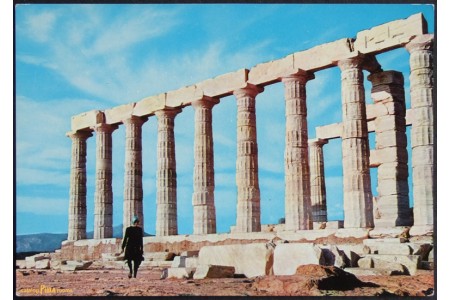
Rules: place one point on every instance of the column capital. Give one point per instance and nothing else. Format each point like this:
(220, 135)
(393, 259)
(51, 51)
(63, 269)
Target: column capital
(356, 61)
(249, 90)
(317, 142)
(103, 127)
(134, 120)
(301, 75)
(206, 101)
(386, 77)
(168, 112)
(79, 134)
(421, 42)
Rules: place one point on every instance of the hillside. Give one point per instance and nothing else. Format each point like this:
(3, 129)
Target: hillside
(49, 242)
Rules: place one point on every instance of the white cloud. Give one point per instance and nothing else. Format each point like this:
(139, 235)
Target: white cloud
(40, 26)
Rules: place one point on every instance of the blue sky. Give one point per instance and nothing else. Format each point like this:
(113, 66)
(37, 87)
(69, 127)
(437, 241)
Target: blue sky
(75, 58)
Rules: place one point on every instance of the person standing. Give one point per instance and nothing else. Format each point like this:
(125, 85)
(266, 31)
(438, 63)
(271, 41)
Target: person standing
(134, 247)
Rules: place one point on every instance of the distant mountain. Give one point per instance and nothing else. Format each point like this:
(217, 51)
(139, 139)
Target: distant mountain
(49, 242)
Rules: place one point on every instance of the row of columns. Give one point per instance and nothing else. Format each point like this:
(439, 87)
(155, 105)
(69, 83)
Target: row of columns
(304, 175)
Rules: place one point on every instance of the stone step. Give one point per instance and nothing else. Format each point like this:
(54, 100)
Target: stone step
(374, 242)
(371, 271)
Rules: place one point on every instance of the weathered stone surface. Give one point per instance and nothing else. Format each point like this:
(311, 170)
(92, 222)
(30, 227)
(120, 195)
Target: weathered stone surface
(149, 105)
(86, 120)
(411, 262)
(112, 257)
(390, 35)
(43, 264)
(225, 84)
(374, 242)
(158, 256)
(308, 235)
(365, 263)
(30, 261)
(354, 252)
(179, 262)
(330, 131)
(21, 264)
(287, 257)
(317, 180)
(73, 265)
(214, 271)
(250, 260)
(390, 248)
(272, 71)
(421, 249)
(190, 253)
(116, 114)
(352, 232)
(335, 257)
(180, 273)
(183, 96)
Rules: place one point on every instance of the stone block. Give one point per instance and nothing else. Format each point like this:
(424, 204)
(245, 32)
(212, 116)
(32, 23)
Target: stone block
(365, 262)
(159, 256)
(352, 232)
(308, 235)
(21, 264)
(56, 264)
(389, 122)
(86, 120)
(426, 265)
(43, 264)
(74, 265)
(325, 55)
(179, 262)
(224, 85)
(388, 233)
(190, 253)
(390, 35)
(389, 155)
(330, 131)
(271, 71)
(393, 266)
(393, 170)
(249, 259)
(422, 136)
(354, 252)
(191, 262)
(184, 96)
(410, 262)
(421, 249)
(391, 187)
(287, 257)
(214, 271)
(390, 248)
(391, 138)
(180, 273)
(119, 113)
(149, 105)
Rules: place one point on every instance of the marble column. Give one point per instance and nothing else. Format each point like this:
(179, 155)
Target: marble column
(166, 198)
(298, 214)
(103, 204)
(392, 205)
(358, 205)
(248, 195)
(77, 204)
(203, 196)
(133, 194)
(317, 175)
(422, 132)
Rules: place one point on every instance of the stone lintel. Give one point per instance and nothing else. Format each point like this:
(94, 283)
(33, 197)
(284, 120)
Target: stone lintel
(323, 56)
(330, 131)
(390, 35)
(317, 141)
(117, 114)
(224, 85)
(149, 105)
(86, 120)
(184, 96)
(272, 71)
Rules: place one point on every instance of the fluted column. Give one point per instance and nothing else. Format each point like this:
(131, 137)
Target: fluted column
(133, 194)
(358, 206)
(77, 204)
(422, 132)
(298, 214)
(166, 198)
(388, 94)
(203, 196)
(317, 175)
(103, 183)
(248, 203)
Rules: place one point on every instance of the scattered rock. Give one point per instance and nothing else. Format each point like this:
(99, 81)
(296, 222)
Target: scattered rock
(213, 271)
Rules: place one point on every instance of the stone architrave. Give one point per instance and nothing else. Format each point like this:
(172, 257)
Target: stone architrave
(77, 204)
(133, 194)
(166, 199)
(248, 195)
(103, 204)
(203, 195)
(298, 213)
(317, 175)
(358, 206)
(422, 132)
(390, 134)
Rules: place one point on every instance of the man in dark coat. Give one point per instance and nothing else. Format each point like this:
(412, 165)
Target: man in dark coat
(133, 245)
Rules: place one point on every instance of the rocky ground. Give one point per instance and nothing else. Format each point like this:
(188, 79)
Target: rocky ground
(309, 281)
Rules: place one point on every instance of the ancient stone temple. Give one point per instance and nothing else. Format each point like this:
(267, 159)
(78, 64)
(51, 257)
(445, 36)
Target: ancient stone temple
(305, 188)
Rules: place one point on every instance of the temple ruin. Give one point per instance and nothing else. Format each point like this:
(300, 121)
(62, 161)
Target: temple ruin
(305, 190)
